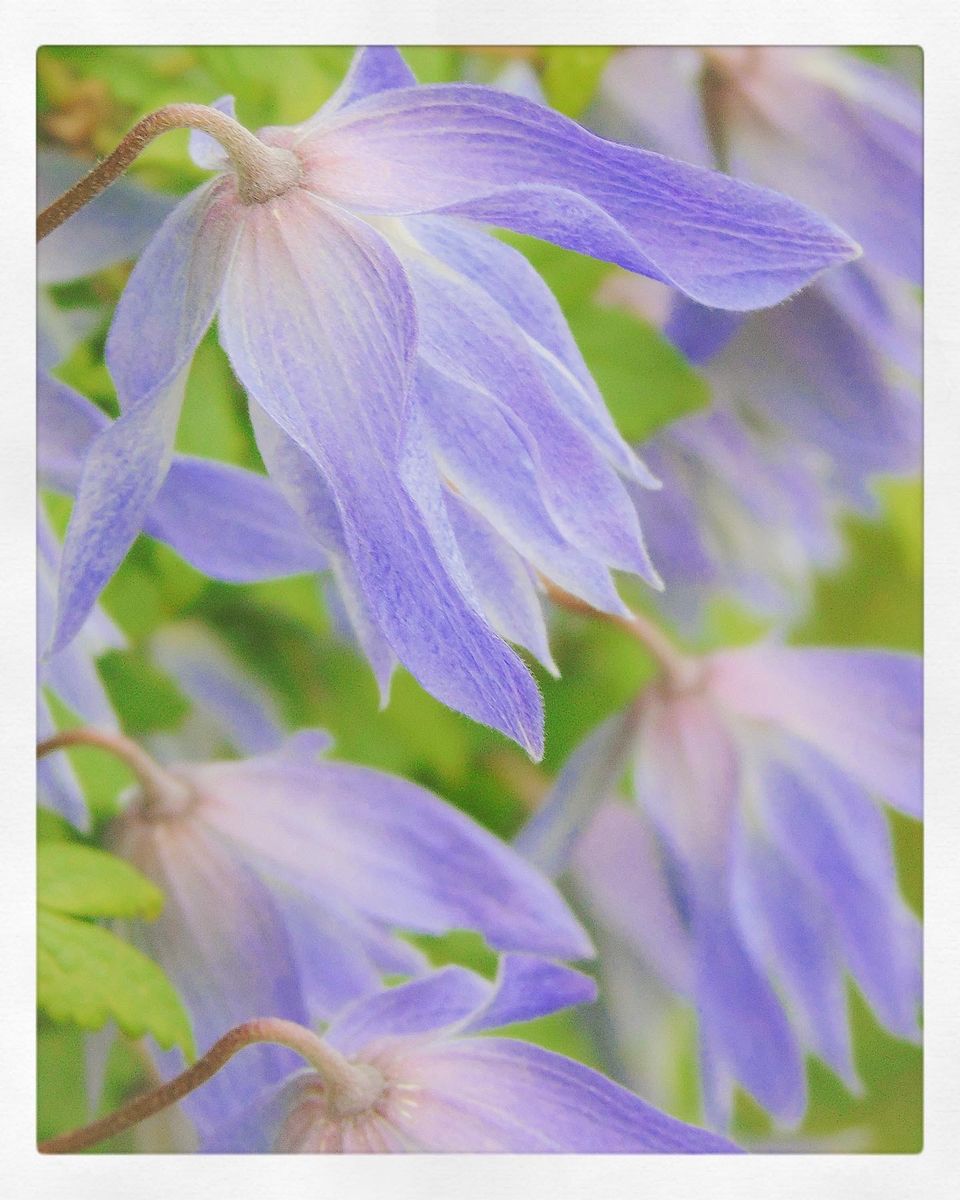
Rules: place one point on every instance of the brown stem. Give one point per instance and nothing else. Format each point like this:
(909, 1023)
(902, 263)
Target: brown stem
(161, 790)
(264, 171)
(681, 671)
(343, 1079)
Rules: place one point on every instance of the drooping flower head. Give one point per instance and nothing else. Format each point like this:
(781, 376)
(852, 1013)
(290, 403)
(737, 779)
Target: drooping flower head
(287, 881)
(423, 1082)
(756, 868)
(413, 386)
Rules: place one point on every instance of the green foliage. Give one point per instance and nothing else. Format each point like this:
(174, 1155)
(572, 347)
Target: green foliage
(571, 74)
(86, 882)
(88, 976)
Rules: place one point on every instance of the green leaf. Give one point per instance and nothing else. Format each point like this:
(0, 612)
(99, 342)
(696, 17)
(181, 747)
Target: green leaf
(86, 882)
(571, 74)
(87, 975)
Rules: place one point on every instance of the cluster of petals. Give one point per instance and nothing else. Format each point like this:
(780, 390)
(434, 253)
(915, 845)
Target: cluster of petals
(755, 870)
(437, 1087)
(812, 399)
(413, 387)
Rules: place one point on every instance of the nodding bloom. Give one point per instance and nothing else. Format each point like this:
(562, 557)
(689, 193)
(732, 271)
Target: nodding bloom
(288, 879)
(806, 411)
(755, 869)
(413, 387)
(814, 398)
(414, 1078)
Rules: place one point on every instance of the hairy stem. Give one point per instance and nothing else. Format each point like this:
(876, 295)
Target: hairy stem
(264, 171)
(161, 790)
(346, 1082)
(681, 671)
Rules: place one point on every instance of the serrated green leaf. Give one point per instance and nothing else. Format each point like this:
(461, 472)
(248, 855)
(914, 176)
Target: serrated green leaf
(86, 975)
(87, 882)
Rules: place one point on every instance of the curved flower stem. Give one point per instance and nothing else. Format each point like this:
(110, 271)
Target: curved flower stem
(339, 1075)
(264, 171)
(161, 790)
(681, 671)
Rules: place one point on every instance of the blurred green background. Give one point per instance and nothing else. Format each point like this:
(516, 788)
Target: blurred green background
(87, 98)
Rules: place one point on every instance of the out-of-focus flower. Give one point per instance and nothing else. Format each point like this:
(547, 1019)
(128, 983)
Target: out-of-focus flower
(811, 399)
(71, 675)
(755, 869)
(287, 878)
(390, 349)
(425, 1084)
(841, 134)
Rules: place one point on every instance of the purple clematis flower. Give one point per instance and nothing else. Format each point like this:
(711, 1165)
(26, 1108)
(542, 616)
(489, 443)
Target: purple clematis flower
(426, 1083)
(838, 133)
(413, 386)
(816, 397)
(287, 880)
(756, 868)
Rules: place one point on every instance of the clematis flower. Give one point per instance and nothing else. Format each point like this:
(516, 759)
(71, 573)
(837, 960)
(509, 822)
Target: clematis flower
(413, 387)
(416, 1079)
(813, 399)
(807, 409)
(841, 134)
(287, 880)
(755, 870)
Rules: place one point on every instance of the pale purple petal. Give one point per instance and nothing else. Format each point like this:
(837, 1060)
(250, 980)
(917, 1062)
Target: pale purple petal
(230, 523)
(205, 150)
(497, 158)
(324, 344)
(840, 135)
(589, 778)
(204, 670)
(122, 473)
(113, 227)
(741, 1020)
(470, 339)
(484, 458)
(528, 987)
(861, 708)
(618, 869)
(507, 277)
(787, 926)
(805, 805)
(650, 96)
(387, 849)
(172, 295)
(57, 784)
(501, 581)
(222, 940)
(67, 425)
(443, 1000)
(373, 69)
(498, 1095)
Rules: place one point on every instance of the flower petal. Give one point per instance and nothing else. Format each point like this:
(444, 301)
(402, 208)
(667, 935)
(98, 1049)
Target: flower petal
(331, 365)
(501, 581)
(373, 69)
(861, 708)
(116, 225)
(205, 150)
(528, 987)
(589, 778)
(482, 455)
(468, 338)
(498, 1095)
(389, 850)
(442, 1000)
(475, 152)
